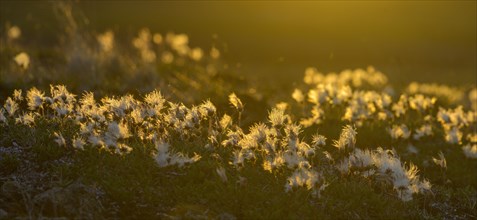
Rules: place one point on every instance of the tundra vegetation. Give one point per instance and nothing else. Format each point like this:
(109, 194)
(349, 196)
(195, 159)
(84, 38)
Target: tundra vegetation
(153, 127)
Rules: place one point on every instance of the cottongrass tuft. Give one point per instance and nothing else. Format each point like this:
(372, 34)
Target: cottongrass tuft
(3, 119)
(221, 172)
(14, 32)
(23, 60)
(298, 96)
(277, 117)
(399, 131)
(164, 158)
(35, 98)
(236, 102)
(318, 140)
(386, 166)
(59, 139)
(347, 138)
(441, 161)
(470, 151)
(78, 143)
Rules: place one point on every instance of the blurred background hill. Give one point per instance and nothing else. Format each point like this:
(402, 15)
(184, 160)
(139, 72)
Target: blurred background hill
(273, 42)
(428, 40)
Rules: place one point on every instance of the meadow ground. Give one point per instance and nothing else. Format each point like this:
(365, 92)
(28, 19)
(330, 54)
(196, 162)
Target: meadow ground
(147, 126)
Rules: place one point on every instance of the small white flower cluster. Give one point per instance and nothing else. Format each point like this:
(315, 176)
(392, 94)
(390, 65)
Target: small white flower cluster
(410, 118)
(22, 59)
(321, 95)
(470, 151)
(399, 131)
(453, 121)
(236, 102)
(165, 158)
(306, 177)
(384, 165)
(113, 122)
(143, 42)
(421, 103)
(360, 106)
(335, 90)
(14, 32)
(441, 161)
(452, 95)
(416, 102)
(172, 47)
(366, 105)
(278, 146)
(347, 138)
(106, 41)
(356, 78)
(424, 130)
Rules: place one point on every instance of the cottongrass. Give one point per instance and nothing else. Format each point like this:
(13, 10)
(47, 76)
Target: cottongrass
(308, 178)
(22, 59)
(347, 138)
(451, 94)
(470, 151)
(14, 32)
(236, 102)
(164, 157)
(399, 131)
(59, 139)
(384, 165)
(221, 172)
(277, 145)
(441, 161)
